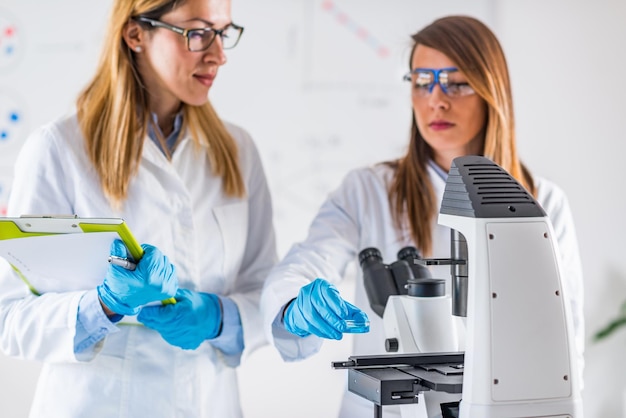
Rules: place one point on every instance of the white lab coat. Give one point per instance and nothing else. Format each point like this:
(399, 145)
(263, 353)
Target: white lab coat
(218, 244)
(357, 216)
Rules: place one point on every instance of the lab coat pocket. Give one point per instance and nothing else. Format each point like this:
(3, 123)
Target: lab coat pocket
(233, 223)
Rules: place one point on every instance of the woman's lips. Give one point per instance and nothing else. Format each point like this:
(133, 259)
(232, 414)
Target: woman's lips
(440, 125)
(205, 79)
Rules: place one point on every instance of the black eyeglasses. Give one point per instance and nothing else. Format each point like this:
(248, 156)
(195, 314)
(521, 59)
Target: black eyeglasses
(201, 39)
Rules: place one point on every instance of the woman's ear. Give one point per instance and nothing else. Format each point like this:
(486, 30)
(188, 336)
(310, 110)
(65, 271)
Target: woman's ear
(133, 35)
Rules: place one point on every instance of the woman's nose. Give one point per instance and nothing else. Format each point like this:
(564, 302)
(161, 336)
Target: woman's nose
(215, 53)
(438, 99)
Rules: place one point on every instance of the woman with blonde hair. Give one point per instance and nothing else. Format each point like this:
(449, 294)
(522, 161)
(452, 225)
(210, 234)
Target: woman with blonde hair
(146, 145)
(462, 105)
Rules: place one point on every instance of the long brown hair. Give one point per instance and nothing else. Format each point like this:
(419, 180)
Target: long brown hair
(476, 51)
(113, 112)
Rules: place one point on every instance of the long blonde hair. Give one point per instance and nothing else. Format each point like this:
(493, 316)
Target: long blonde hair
(113, 113)
(476, 51)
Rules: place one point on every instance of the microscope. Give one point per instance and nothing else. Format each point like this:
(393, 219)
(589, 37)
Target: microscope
(519, 359)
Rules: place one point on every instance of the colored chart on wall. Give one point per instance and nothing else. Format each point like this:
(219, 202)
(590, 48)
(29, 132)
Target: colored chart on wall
(13, 126)
(346, 45)
(10, 40)
(47, 53)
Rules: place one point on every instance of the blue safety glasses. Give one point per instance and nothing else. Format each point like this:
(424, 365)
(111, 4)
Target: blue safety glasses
(424, 80)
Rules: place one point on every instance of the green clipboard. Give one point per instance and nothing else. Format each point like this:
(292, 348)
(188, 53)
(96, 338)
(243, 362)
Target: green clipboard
(30, 226)
(63, 253)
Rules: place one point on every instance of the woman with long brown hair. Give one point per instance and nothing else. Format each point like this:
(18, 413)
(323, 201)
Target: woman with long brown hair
(146, 145)
(462, 105)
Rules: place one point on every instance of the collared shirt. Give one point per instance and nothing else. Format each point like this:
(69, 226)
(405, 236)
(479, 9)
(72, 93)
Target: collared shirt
(93, 325)
(440, 171)
(170, 141)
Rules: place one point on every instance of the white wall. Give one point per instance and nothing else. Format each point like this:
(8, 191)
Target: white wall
(317, 83)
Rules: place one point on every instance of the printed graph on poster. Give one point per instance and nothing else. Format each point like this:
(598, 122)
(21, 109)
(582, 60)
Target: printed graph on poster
(12, 123)
(9, 41)
(341, 39)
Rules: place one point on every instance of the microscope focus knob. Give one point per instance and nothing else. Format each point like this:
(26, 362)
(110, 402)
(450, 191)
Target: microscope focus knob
(391, 345)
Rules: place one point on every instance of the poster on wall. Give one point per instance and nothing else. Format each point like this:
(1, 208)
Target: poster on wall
(46, 57)
(327, 96)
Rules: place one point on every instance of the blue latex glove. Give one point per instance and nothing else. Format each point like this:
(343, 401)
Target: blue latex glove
(126, 291)
(319, 310)
(195, 317)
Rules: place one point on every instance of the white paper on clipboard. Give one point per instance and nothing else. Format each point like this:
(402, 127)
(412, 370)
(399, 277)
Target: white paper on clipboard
(65, 253)
(60, 262)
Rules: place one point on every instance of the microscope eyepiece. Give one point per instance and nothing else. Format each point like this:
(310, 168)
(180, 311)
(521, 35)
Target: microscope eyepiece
(408, 253)
(370, 253)
(377, 278)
